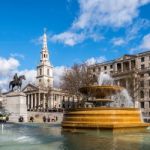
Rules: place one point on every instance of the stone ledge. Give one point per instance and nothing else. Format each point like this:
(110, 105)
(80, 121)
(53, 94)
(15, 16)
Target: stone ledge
(13, 94)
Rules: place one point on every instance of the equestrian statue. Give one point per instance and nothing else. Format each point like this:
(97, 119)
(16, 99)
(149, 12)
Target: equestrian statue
(17, 81)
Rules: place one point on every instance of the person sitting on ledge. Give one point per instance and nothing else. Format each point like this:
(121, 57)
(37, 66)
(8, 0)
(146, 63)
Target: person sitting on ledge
(31, 119)
(48, 119)
(44, 119)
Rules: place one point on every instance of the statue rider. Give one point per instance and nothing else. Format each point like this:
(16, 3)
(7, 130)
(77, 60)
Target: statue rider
(15, 78)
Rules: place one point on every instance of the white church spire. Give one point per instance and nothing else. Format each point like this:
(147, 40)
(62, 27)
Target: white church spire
(45, 69)
(45, 52)
(45, 40)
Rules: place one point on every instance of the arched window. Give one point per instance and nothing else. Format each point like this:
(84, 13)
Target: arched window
(40, 71)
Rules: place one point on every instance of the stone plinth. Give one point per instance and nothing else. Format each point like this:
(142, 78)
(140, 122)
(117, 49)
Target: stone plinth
(16, 106)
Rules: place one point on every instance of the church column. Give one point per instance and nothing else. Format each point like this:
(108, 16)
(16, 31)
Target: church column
(122, 67)
(44, 101)
(130, 65)
(28, 101)
(35, 101)
(31, 101)
(51, 101)
(39, 100)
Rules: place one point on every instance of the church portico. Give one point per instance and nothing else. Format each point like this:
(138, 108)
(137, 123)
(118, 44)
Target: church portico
(36, 100)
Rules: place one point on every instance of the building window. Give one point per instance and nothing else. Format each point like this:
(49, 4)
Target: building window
(142, 59)
(94, 76)
(39, 80)
(48, 72)
(40, 71)
(111, 66)
(142, 75)
(142, 83)
(105, 67)
(93, 69)
(149, 107)
(142, 66)
(142, 104)
(142, 94)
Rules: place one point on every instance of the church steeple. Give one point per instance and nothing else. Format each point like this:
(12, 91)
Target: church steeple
(45, 69)
(44, 52)
(44, 41)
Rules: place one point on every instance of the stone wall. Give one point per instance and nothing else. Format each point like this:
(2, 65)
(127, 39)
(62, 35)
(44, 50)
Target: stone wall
(55, 117)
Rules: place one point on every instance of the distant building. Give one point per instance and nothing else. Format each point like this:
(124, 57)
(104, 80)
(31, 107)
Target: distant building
(42, 96)
(133, 73)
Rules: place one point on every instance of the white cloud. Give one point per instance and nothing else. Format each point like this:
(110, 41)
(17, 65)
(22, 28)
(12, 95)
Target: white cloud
(95, 14)
(8, 65)
(30, 76)
(145, 45)
(114, 13)
(68, 38)
(132, 32)
(58, 73)
(37, 41)
(118, 41)
(92, 60)
(18, 55)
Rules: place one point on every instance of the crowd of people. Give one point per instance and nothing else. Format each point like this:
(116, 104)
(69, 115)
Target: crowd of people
(46, 119)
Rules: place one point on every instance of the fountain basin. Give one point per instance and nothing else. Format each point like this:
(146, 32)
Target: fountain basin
(103, 118)
(100, 91)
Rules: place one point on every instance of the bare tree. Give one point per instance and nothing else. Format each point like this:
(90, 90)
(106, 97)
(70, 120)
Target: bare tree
(77, 77)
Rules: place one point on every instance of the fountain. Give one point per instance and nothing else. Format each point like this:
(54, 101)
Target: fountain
(113, 108)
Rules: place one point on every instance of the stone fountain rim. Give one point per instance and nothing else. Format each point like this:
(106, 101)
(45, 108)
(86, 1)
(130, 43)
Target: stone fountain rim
(104, 86)
(101, 108)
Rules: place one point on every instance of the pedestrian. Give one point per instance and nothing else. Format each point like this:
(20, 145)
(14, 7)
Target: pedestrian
(44, 119)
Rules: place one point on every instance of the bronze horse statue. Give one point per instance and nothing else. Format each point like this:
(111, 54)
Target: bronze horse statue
(17, 83)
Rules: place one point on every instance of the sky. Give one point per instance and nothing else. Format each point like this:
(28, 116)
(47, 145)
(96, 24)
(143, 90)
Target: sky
(78, 31)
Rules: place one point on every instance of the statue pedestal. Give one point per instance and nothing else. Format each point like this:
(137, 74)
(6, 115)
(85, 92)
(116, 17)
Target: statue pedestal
(16, 106)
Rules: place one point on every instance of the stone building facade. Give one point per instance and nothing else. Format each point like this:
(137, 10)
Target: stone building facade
(133, 73)
(42, 96)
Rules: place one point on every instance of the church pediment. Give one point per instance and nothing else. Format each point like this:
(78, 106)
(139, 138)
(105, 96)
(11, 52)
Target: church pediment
(29, 88)
(126, 57)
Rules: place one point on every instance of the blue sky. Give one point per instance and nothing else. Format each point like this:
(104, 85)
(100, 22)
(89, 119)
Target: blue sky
(78, 31)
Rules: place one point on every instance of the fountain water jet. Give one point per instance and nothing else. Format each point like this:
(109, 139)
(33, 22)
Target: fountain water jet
(118, 115)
